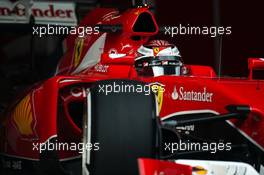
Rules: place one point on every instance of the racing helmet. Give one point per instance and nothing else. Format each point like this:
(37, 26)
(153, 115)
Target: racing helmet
(157, 58)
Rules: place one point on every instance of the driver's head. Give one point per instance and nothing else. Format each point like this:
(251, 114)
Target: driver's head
(158, 57)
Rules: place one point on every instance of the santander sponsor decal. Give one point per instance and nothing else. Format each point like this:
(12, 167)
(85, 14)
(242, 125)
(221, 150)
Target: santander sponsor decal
(43, 12)
(199, 95)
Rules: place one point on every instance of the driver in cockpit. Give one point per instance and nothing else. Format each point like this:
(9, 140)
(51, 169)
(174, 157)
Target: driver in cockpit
(157, 58)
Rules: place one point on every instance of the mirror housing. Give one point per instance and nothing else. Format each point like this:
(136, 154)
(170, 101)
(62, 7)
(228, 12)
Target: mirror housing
(255, 64)
(121, 59)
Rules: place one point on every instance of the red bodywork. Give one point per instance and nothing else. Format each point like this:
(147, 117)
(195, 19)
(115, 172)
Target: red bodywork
(149, 166)
(43, 113)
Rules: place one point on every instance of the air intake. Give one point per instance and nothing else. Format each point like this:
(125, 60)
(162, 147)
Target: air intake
(144, 23)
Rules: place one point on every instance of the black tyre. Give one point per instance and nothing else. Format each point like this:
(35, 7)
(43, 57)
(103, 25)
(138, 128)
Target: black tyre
(126, 127)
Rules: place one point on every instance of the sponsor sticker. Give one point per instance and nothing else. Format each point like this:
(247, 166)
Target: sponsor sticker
(156, 51)
(158, 89)
(199, 170)
(44, 12)
(78, 51)
(199, 95)
(23, 116)
(185, 129)
(12, 164)
(101, 68)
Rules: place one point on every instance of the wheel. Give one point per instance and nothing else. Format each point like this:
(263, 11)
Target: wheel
(125, 126)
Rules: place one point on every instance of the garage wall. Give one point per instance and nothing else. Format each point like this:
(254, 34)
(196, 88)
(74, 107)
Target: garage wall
(245, 41)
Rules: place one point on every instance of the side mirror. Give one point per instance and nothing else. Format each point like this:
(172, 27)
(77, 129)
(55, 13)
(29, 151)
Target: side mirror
(255, 64)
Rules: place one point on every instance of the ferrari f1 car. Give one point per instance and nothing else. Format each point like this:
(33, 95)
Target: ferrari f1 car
(122, 104)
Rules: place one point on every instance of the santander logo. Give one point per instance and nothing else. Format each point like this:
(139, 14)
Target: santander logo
(174, 94)
(44, 12)
(192, 95)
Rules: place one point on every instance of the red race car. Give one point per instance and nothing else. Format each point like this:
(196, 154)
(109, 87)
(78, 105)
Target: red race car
(121, 103)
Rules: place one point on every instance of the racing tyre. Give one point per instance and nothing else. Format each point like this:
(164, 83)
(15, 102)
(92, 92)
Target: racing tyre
(123, 124)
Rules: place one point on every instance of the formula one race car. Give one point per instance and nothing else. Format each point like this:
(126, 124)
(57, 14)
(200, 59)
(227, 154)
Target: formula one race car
(120, 103)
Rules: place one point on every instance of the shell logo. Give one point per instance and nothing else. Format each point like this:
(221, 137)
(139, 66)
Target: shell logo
(158, 89)
(23, 116)
(199, 170)
(156, 50)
